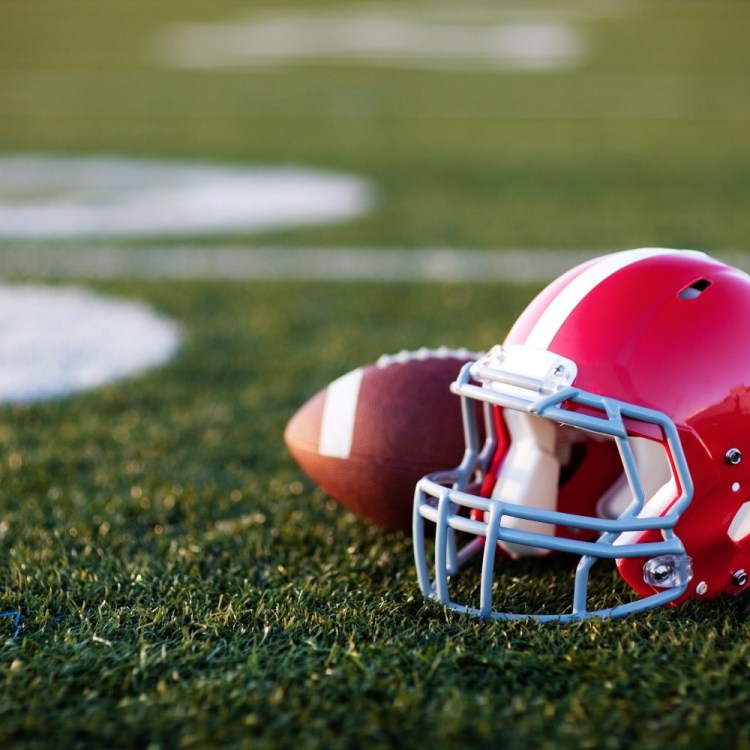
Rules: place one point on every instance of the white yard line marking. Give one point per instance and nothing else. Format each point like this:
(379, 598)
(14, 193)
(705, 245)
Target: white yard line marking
(441, 37)
(57, 197)
(55, 341)
(301, 264)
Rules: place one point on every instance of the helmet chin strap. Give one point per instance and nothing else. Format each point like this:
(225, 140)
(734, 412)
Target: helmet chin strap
(529, 476)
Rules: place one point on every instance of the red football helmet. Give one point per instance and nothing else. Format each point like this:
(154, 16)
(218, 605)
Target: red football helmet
(618, 416)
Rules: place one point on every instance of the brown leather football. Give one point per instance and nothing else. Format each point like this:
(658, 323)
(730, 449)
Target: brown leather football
(369, 436)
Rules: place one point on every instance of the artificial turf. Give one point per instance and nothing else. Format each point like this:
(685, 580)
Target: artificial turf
(179, 583)
(169, 577)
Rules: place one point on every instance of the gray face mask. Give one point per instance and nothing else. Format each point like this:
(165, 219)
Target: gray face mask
(519, 511)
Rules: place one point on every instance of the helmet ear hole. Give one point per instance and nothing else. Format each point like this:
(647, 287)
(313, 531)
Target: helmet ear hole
(695, 289)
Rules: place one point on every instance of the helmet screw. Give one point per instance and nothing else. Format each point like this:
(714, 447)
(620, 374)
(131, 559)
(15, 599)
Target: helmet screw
(739, 578)
(733, 456)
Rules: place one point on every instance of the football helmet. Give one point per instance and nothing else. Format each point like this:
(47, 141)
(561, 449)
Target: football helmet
(617, 423)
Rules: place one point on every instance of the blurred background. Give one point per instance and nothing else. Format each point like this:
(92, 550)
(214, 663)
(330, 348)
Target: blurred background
(569, 125)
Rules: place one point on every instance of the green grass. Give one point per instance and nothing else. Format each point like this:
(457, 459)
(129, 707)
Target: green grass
(181, 585)
(179, 582)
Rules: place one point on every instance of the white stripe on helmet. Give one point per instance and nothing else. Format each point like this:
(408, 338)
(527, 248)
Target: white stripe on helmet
(567, 300)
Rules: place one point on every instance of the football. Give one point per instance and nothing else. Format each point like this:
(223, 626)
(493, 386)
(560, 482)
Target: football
(369, 436)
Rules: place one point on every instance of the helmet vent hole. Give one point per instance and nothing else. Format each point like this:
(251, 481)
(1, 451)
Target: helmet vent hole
(695, 289)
